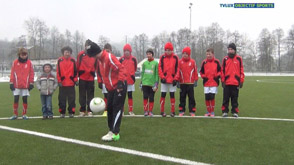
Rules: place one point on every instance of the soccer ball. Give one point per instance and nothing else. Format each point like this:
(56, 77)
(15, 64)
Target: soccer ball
(97, 104)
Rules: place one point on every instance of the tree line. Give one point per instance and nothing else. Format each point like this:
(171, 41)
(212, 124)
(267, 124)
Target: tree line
(273, 51)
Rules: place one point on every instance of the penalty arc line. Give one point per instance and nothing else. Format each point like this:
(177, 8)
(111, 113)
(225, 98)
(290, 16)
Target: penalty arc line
(105, 147)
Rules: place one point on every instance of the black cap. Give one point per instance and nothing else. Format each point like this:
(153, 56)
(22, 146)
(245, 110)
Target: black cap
(93, 49)
(233, 46)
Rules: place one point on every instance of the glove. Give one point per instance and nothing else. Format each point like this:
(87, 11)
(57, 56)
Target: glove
(195, 83)
(60, 84)
(100, 85)
(175, 82)
(31, 87)
(77, 83)
(241, 85)
(178, 85)
(140, 86)
(163, 80)
(155, 86)
(12, 87)
(223, 84)
(120, 85)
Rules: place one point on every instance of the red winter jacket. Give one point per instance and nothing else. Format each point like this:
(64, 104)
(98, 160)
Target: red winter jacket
(168, 67)
(66, 71)
(130, 64)
(112, 70)
(22, 74)
(187, 71)
(232, 72)
(210, 72)
(86, 66)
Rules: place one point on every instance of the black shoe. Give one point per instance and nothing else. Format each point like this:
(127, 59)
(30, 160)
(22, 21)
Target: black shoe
(71, 115)
(172, 114)
(235, 115)
(225, 114)
(45, 117)
(163, 114)
(50, 117)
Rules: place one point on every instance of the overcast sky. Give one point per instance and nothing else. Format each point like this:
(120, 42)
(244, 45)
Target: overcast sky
(116, 19)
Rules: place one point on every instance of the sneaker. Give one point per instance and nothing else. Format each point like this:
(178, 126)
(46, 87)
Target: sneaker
(150, 114)
(115, 137)
(104, 113)
(181, 114)
(172, 114)
(90, 114)
(71, 115)
(207, 114)
(25, 117)
(192, 114)
(62, 115)
(107, 137)
(225, 114)
(44, 117)
(131, 113)
(212, 114)
(50, 117)
(82, 114)
(13, 117)
(235, 115)
(146, 113)
(163, 114)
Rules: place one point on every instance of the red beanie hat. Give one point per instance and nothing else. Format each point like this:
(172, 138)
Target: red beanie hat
(169, 46)
(128, 48)
(187, 50)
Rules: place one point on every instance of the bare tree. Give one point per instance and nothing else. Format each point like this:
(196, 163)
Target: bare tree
(77, 42)
(42, 34)
(54, 40)
(155, 43)
(102, 40)
(290, 48)
(266, 47)
(68, 38)
(31, 26)
(278, 35)
(214, 38)
(183, 39)
(143, 46)
(37, 32)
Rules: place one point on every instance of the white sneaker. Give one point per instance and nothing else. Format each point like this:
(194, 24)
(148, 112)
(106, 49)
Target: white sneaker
(90, 114)
(107, 137)
(235, 115)
(131, 113)
(225, 114)
(82, 114)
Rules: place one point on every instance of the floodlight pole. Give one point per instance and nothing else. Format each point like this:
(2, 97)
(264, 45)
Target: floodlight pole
(190, 7)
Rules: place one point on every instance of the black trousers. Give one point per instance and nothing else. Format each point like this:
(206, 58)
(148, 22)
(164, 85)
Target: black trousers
(148, 93)
(230, 92)
(86, 94)
(67, 94)
(115, 105)
(187, 89)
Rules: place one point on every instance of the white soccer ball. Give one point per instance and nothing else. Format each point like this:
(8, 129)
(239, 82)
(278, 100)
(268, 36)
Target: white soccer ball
(97, 104)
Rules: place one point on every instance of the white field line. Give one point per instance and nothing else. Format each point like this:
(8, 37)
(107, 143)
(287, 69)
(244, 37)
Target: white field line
(105, 147)
(159, 116)
(275, 81)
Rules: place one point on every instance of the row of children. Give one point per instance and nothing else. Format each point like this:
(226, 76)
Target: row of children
(183, 74)
(172, 71)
